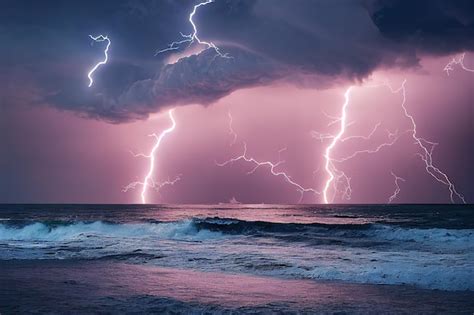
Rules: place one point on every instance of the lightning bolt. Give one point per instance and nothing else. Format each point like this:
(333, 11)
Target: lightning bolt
(271, 166)
(100, 38)
(231, 129)
(148, 181)
(397, 187)
(393, 137)
(457, 61)
(156, 185)
(340, 178)
(193, 37)
(329, 165)
(368, 137)
(336, 176)
(427, 148)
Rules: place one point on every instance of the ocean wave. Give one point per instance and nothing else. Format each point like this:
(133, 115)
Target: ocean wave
(208, 228)
(43, 231)
(464, 238)
(408, 271)
(429, 258)
(235, 226)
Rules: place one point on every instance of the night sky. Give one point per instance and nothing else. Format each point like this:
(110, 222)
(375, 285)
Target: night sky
(286, 69)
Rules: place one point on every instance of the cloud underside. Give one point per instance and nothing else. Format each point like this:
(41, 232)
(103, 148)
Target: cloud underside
(268, 41)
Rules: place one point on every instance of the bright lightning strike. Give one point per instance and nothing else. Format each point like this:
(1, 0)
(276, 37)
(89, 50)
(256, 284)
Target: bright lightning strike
(272, 167)
(457, 61)
(397, 187)
(193, 37)
(335, 175)
(329, 165)
(427, 148)
(100, 38)
(148, 180)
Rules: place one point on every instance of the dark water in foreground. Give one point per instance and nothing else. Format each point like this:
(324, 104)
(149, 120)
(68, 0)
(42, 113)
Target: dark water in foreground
(236, 258)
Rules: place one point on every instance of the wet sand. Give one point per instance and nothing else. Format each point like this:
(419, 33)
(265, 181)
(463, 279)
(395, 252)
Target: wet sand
(104, 286)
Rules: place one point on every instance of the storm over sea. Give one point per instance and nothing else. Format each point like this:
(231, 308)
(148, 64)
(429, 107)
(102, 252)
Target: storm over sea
(236, 258)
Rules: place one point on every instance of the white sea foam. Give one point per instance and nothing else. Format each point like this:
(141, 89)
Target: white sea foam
(413, 268)
(428, 258)
(460, 239)
(42, 232)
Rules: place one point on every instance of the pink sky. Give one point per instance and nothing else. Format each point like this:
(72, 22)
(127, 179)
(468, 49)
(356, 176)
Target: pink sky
(53, 156)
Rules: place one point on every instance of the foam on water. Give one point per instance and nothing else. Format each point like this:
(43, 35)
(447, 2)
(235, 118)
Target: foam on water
(462, 239)
(42, 232)
(443, 272)
(433, 258)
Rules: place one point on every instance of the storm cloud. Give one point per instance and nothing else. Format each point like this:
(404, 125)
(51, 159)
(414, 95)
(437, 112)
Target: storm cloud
(45, 44)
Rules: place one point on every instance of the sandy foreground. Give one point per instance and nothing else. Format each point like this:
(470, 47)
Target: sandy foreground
(105, 286)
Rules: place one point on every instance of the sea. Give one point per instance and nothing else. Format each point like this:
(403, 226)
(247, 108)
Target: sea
(236, 259)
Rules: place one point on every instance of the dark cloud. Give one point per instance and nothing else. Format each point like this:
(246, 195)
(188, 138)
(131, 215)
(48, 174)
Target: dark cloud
(268, 40)
(198, 79)
(431, 26)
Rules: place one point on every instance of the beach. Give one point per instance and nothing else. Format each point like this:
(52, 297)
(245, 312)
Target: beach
(223, 259)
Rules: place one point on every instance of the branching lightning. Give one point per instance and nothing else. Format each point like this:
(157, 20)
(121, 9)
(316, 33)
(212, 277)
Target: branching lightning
(329, 165)
(193, 37)
(457, 61)
(368, 137)
(231, 129)
(397, 187)
(336, 176)
(153, 184)
(271, 165)
(427, 148)
(148, 181)
(393, 137)
(100, 38)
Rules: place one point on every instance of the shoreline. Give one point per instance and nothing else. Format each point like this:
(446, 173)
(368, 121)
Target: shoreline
(85, 286)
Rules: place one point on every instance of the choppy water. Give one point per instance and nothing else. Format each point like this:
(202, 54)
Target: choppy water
(428, 247)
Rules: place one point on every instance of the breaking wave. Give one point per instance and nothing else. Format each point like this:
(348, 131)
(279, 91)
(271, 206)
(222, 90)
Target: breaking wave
(216, 227)
(43, 231)
(432, 258)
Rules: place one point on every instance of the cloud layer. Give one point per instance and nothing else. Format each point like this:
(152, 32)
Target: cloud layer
(48, 48)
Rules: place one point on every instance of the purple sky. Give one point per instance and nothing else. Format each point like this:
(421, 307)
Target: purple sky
(55, 156)
(292, 61)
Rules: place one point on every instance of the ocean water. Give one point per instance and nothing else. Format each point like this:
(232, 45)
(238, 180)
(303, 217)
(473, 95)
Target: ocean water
(302, 259)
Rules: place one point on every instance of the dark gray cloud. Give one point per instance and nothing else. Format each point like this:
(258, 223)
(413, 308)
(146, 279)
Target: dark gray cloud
(431, 26)
(269, 40)
(198, 79)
